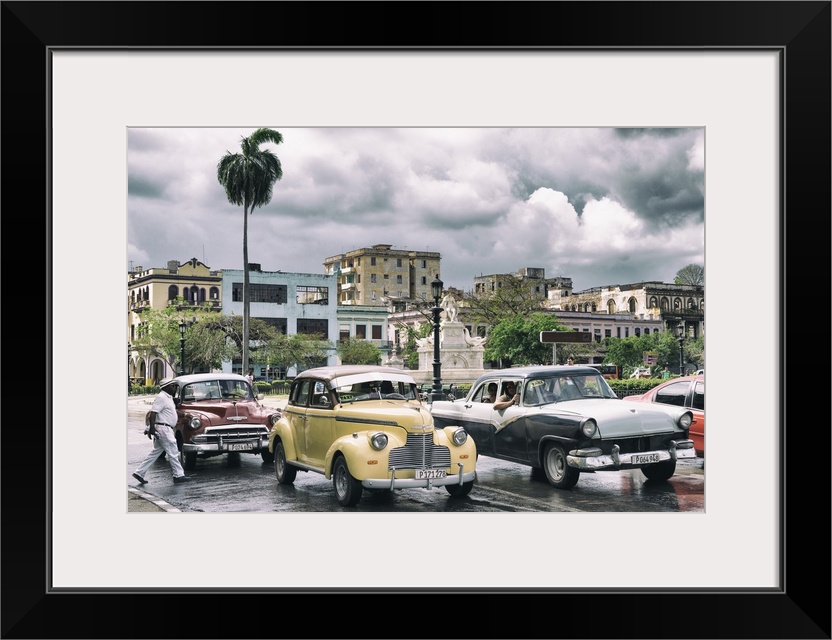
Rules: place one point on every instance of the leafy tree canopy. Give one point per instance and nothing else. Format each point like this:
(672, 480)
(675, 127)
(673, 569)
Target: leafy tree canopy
(358, 351)
(690, 274)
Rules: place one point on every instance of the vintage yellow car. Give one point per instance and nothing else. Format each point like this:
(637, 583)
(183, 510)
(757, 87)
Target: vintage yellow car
(364, 427)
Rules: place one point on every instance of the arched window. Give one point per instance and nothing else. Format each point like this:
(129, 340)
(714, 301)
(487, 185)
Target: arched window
(637, 332)
(215, 293)
(586, 306)
(702, 305)
(691, 304)
(594, 307)
(611, 306)
(653, 302)
(173, 291)
(677, 303)
(633, 305)
(193, 294)
(665, 304)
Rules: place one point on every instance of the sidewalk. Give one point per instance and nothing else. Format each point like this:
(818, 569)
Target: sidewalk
(139, 501)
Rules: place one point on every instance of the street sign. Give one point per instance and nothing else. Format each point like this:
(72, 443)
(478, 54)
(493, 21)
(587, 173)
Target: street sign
(565, 336)
(650, 358)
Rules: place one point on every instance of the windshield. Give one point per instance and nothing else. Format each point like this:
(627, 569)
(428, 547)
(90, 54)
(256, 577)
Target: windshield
(566, 387)
(216, 390)
(377, 389)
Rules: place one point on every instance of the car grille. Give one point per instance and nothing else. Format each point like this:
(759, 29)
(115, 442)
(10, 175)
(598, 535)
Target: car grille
(231, 434)
(419, 452)
(635, 445)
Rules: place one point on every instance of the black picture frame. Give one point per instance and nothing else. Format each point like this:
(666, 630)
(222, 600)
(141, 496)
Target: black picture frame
(799, 30)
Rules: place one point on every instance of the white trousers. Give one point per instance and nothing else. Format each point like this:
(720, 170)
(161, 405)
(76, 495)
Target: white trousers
(163, 441)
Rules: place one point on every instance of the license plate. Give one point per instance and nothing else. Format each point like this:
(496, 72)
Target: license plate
(430, 474)
(645, 458)
(241, 446)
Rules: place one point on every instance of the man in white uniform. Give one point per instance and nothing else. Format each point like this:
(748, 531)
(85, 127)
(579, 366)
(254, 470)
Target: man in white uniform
(161, 421)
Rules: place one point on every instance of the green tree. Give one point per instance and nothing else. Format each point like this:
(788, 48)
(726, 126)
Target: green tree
(358, 351)
(516, 340)
(690, 274)
(296, 350)
(206, 346)
(511, 297)
(248, 179)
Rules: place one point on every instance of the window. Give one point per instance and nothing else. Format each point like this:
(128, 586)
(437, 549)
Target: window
(278, 323)
(398, 262)
(425, 280)
(674, 394)
(361, 331)
(313, 326)
(376, 332)
(398, 280)
(373, 278)
(424, 264)
(699, 396)
(272, 293)
(372, 261)
(386, 276)
(312, 295)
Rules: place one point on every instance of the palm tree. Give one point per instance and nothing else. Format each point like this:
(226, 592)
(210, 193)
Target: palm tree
(248, 179)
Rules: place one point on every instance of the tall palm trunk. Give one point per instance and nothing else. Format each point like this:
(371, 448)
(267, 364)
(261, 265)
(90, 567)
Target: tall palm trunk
(245, 290)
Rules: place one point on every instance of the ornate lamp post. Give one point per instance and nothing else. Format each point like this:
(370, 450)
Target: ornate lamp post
(436, 291)
(182, 326)
(680, 337)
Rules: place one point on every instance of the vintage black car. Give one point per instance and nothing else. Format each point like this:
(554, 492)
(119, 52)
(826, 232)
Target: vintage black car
(567, 420)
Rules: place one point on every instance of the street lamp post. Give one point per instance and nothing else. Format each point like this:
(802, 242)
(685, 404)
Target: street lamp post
(436, 290)
(680, 336)
(182, 348)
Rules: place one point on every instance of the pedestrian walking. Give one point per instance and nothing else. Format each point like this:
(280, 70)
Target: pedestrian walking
(250, 377)
(665, 373)
(160, 423)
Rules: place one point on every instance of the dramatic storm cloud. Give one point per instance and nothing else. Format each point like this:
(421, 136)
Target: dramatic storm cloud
(599, 205)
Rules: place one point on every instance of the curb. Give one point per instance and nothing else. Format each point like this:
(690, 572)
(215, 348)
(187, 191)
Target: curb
(161, 504)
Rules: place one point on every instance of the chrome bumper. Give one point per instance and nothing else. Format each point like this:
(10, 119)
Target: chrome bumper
(409, 483)
(594, 460)
(227, 446)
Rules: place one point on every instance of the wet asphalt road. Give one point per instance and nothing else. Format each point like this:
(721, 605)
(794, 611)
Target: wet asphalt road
(247, 485)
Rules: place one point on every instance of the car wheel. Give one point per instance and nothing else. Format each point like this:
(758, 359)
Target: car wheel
(660, 471)
(284, 473)
(558, 472)
(267, 456)
(347, 489)
(188, 460)
(460, 490)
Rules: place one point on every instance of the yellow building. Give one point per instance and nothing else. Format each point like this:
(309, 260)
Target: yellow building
(383, 276)
(157, 288)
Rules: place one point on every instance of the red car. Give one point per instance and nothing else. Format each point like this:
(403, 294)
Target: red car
(688, 392)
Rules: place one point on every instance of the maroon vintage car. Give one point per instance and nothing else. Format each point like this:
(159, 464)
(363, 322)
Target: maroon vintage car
(218, 414)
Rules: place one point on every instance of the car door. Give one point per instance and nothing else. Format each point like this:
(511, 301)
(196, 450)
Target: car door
(295, 413)
(319, 426)
(509, 429)
(477, 418)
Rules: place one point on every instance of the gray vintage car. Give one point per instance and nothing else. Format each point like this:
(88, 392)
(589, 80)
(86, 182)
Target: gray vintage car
(567, 420)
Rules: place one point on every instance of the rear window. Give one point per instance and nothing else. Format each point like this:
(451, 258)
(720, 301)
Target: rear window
(674, 393)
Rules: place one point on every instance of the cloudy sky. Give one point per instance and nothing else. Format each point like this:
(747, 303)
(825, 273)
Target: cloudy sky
(600, 205)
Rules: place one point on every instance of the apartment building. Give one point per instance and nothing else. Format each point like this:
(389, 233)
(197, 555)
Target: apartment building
(157, 288)
(383, 276)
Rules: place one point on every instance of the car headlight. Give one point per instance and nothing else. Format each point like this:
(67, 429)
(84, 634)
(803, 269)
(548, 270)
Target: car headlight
(459, 437)
(378, 440)
(685, 419)
(274, 418)
(194, 423)
(589, 427)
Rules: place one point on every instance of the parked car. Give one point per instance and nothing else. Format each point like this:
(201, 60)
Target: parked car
(218, 414)
(641, 372)
(365, 427)
(687, 392)
(569, 421)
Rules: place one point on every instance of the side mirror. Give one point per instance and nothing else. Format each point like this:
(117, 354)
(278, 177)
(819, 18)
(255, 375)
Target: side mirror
(323, 401)
(260, 396)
